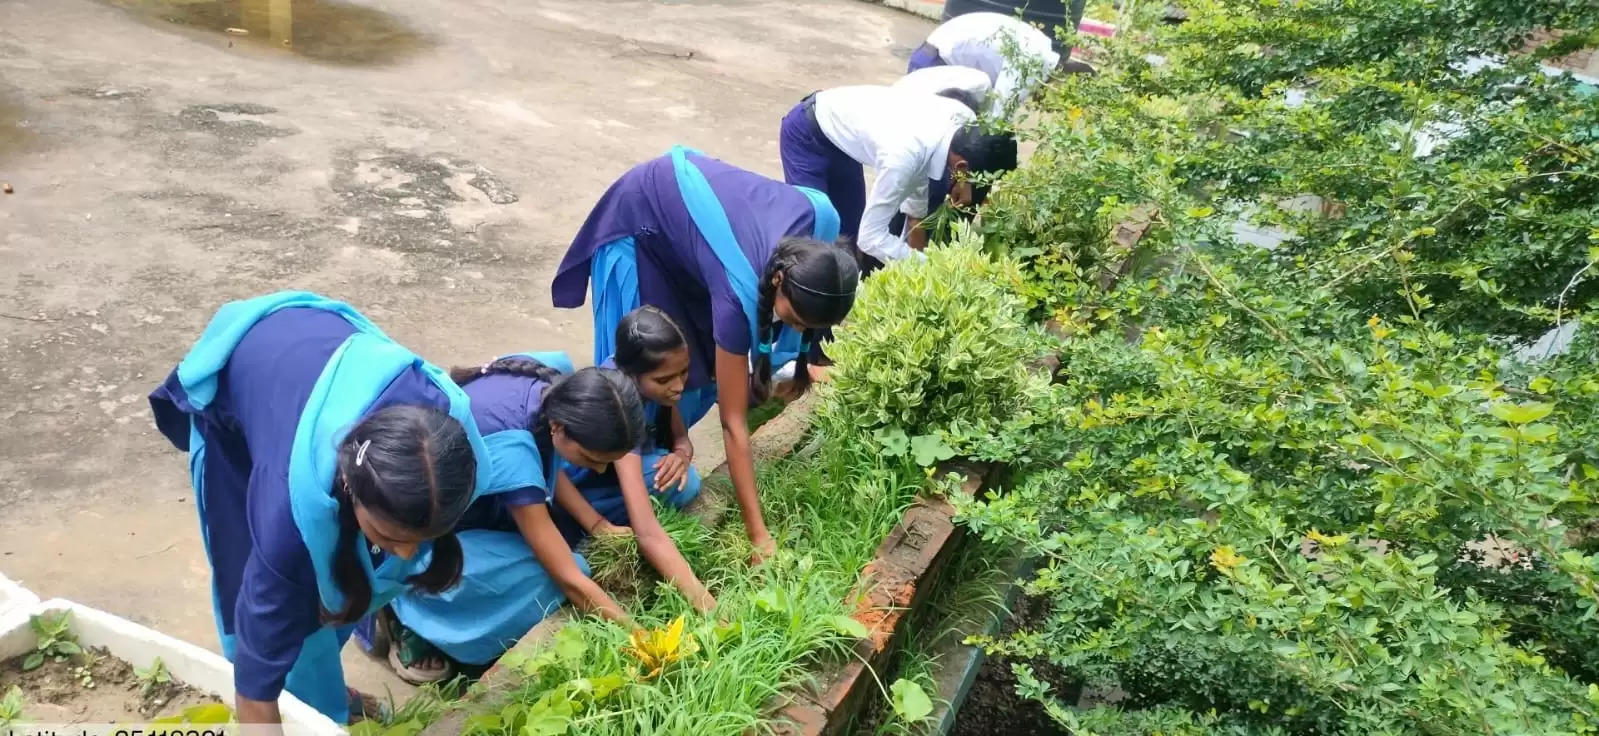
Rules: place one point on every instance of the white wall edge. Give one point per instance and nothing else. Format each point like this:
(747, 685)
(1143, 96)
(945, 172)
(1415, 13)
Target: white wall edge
(140, 646)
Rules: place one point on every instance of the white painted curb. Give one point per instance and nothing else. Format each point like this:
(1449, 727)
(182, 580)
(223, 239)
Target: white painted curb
(140, 646)
(14, 597)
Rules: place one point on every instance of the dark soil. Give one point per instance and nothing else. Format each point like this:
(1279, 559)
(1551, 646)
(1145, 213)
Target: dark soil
(993, 708)
(55, 692)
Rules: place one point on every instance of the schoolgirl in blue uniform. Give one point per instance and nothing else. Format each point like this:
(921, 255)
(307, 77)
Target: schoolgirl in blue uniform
(329, 466)
(652, 351)
(747, 266)
(518, 567)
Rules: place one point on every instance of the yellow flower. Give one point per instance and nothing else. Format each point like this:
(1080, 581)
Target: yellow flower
(1224, 558)
(1323, 540)
(655, 649)
(1378, 331)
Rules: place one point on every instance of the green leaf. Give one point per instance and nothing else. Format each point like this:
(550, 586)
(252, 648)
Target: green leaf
(770, 600)
(33, 661)
(1200, 213)
(482, 723)
(544, 722)
(210, 713)
(929, 449)
(849, 626)
(893, 441)
(1521, 413)
(604, 685)
(910, 702)
(68, 648)
(569, 644)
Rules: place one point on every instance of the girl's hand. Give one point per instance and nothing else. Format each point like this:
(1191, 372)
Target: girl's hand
(786, 391)
(765, 548)
(671, 473)
(606, 528)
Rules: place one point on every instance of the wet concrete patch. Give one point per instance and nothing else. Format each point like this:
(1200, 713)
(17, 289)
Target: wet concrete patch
(415, 203)
(234, 127)
(332, 31)
(109, 92)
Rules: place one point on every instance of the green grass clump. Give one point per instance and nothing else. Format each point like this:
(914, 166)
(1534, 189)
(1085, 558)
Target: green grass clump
(772, 623)
(615, 565)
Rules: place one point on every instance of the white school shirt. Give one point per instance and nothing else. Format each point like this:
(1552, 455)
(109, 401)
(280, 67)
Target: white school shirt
(935, 79)
(905, 137)
(981, 41)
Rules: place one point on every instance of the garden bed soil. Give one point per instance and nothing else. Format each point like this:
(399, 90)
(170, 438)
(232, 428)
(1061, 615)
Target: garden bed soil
(53, 693)
(992, 706)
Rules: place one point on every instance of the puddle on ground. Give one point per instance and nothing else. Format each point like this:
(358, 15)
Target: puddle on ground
(332, 31)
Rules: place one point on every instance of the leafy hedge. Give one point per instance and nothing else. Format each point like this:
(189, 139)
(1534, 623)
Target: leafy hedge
(1320, 492)
(1464, 194)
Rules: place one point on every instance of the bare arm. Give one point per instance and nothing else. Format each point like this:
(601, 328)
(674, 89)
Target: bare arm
(653, 542)
(917, 234)
(550, 548)
(572, 500)
(732, 401)
(257, 711)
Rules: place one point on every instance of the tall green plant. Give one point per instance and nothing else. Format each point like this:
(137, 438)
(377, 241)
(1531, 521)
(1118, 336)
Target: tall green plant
(936, 354)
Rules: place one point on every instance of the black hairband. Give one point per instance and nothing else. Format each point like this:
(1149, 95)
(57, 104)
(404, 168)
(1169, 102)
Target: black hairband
(796, 284)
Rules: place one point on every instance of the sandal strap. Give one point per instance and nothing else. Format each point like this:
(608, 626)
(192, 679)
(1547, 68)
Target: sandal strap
(411, 647)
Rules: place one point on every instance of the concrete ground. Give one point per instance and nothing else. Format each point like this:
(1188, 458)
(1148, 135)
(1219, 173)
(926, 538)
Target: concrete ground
(427, 162)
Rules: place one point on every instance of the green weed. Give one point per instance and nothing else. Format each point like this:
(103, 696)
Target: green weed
(54, 640)
(772, 624)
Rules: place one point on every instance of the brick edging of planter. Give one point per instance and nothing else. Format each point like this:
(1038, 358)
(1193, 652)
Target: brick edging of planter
(898, 579)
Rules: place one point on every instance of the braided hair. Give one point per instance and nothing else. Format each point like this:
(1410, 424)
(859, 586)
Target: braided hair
(644, 338)
(413, 466)
(599, 407)
(819, 281)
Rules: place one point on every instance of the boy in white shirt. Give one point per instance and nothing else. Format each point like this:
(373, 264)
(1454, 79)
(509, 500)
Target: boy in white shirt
(961, 83)
(922, 147)
(1016, 56)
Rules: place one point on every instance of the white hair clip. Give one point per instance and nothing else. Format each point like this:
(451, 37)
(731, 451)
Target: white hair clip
(360, 452)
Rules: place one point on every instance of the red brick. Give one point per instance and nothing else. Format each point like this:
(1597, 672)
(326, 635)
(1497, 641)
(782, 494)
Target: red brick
(801, 718)
(916, 540)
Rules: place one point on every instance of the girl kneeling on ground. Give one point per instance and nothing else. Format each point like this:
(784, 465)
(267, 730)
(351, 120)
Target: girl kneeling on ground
(518, 568)
(650, 350)
(330, 466)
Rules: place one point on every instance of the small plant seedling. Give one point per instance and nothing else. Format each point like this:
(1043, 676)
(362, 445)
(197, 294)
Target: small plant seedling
(11, 707)
(54, 640)
(152, 677)
(84, 672)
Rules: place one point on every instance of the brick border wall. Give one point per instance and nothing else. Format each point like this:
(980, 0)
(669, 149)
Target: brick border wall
(898, 579)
